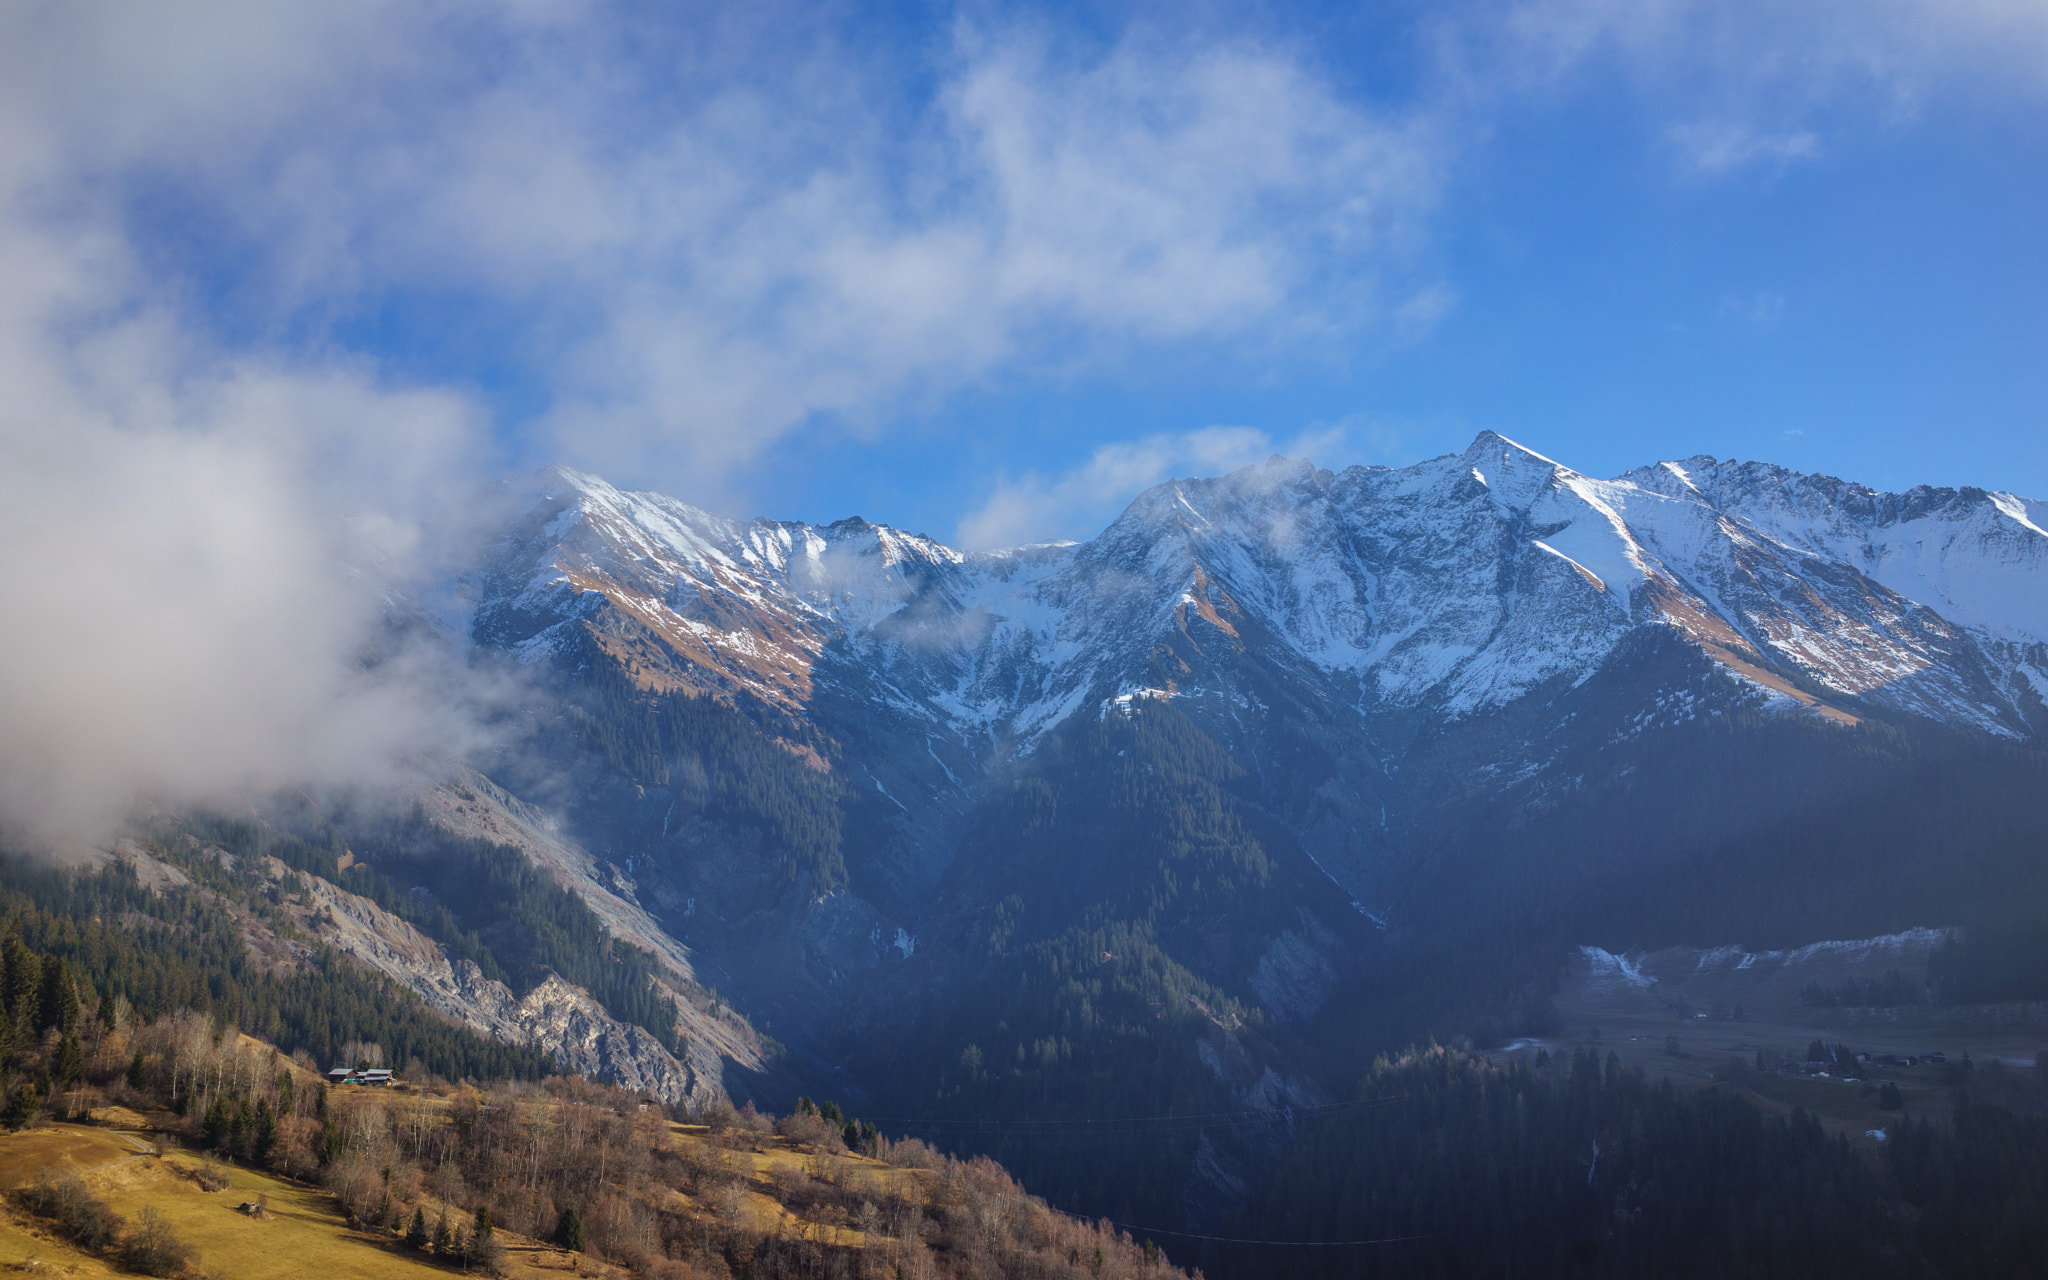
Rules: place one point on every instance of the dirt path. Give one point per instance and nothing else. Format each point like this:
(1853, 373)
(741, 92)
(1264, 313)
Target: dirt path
(142, 1149)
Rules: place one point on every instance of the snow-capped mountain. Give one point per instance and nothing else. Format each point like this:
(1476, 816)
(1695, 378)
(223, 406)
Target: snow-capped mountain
(1282, 766)
(1377, 645)
(1450, 588)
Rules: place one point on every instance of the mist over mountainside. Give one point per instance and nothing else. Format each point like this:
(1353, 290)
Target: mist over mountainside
(1283, 770)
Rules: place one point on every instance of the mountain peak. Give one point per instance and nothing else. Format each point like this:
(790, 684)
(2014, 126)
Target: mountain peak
(1492, 445)
(1457, 583)
(561, 473)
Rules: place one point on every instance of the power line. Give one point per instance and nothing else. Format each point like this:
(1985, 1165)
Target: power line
(1290, 1244)
(1194, 1235)
(1141, 1124)
(1144, 1127)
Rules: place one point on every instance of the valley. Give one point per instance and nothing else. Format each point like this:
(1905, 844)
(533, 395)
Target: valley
(1737, 1021)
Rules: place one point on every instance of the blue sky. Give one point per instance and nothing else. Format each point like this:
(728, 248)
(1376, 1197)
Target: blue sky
(290, 286)
(985, 270)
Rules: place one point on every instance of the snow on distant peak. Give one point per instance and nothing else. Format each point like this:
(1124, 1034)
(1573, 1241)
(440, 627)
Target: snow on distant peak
(1455, 584)
(1494, 444)
(2029, 515)
(1684, 477)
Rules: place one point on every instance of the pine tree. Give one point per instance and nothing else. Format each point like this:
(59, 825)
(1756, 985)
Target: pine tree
(21, 1107)
(70, 1063)
(24, 980)
(416, 1233)
(480, 1247)
(569, 1230)
(138, 1072)
(23, 998)
(58, 1000)
(265, 1130)
(444, 1238)
(219, 1117)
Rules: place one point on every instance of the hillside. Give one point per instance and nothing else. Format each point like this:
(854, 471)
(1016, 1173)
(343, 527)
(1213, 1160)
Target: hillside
(171, 1147)
(216, 1151)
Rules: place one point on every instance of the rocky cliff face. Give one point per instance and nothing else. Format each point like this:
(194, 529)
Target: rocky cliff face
(556, 1016)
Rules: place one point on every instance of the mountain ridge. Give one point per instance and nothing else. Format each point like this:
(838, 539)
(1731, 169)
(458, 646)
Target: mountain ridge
(751, 608)
(1376, 647)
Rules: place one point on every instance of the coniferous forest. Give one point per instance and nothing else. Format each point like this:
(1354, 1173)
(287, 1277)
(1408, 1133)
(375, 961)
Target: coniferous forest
(1580, 1167)
(163, 954)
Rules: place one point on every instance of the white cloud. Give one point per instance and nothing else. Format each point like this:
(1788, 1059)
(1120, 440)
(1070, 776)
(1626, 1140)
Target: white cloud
(1798, 49)
(1419, 315)
(1739, 83)
(696, 267)
(695, 246)
(1764, 309)
(198, 540)
(1078, 502)
(1713, 149)
(693, 241)
(1058, 214)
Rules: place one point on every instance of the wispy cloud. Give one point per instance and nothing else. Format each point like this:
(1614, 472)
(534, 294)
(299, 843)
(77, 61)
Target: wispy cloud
(1711, 150)
(689, 237)
(1764, 309)
(692, 240)
(692, 272)
(1797, 48)
(1745, 83)
(1078, 502)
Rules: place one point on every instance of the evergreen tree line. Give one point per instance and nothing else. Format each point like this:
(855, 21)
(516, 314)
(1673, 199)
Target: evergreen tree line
(103, 938)
(1889, 992)
(715, 762)
(1992, 964)
(1133, 886)
(1755, 830)
(1136, 817)
(1765, 831)
(247, 841)
(1460, 1168)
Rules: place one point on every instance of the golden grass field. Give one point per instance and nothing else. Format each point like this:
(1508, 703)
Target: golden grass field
(302, 1235)
(762, 1212)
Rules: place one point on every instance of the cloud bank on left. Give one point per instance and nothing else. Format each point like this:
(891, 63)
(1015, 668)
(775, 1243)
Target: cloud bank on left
(200, 535)
(219, 460)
